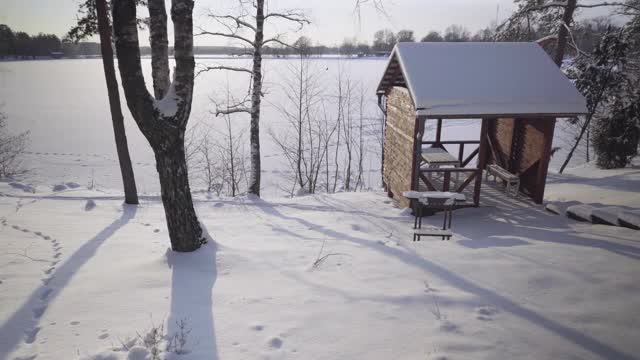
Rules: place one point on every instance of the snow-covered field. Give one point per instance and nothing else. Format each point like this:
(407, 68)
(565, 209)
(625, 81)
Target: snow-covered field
(82, 276)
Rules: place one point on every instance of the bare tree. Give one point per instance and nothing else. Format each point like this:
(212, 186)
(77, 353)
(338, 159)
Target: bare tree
(346, 97)
(11, 148)
(233, 159)
(163, 119)
(305, 144)
(553, 20)
(235, 27)
(360, 135)
(94, 18)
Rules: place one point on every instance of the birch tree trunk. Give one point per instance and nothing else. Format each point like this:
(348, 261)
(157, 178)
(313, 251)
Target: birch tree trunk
(256, 95)
(126, 169)
(163, 122)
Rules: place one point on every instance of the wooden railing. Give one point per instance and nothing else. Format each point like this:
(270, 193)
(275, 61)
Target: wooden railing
(472, 174)
(461, 144)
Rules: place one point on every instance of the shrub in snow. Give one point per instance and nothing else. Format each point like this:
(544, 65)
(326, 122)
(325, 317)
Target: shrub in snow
(616, 136)
(609, 85)
(155, 342)
(12, 148)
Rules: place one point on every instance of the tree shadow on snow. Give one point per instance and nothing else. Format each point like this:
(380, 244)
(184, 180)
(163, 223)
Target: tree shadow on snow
(411, 258)
(23, 324)
(192, 279)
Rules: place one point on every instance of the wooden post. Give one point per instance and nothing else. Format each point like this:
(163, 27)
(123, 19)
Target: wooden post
(482, 161)
(543, 166)
(438, 131)
(417, 152)
(445, 182)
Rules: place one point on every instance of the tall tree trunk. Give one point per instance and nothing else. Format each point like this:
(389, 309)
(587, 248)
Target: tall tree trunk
(163, 123)
(126, 169)
(563, 33)
(256, 94)
(176, 195)
(159, 42)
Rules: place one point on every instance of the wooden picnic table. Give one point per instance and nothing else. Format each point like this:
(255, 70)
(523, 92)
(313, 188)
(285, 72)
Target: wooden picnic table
(436, 157)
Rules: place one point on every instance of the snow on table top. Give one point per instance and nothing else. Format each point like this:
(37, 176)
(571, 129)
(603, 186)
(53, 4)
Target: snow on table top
(467, 79)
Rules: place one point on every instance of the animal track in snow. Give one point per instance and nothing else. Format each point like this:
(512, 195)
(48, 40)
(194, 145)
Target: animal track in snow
(485, 313)
(275, 343)
(31, 335)
(42, 303)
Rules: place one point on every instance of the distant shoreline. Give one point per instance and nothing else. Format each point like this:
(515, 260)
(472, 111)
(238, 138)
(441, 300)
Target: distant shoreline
(203, 56)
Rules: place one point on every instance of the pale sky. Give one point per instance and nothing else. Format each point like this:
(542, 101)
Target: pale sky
(332, 20)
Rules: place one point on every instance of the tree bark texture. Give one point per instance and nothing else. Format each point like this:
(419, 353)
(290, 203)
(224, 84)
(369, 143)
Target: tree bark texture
(159, 42)
(163, 129)
(563, 33)
(126, 169)
(254, 135)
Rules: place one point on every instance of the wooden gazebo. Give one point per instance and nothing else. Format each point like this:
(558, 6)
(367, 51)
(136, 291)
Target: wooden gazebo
(515, 89)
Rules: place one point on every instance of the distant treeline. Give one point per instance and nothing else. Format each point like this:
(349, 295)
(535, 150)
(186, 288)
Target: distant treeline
(23, 46)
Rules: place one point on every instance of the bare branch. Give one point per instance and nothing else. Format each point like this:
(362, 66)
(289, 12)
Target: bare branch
(222, 67)
(278, 41)
(547, 39)
(232, 36)
(625, 5)
(238, 20)
(295, 16)
(229, 111)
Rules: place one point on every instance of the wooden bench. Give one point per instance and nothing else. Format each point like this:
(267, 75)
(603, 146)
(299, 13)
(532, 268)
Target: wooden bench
(445, 234)
(512, 180)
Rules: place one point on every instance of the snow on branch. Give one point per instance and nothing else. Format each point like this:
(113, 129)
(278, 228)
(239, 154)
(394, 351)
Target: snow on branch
(241, 106)
(624, 5)
(565, 4)
(233, 111)
(222, 67)
(547, 39)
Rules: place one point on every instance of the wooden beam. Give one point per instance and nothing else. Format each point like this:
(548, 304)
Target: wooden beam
(452, 142)
(438, 131)
(482, 160)
(467, 182)
(446, 181)
(470, 157)
(427, 183)
(417, 152)
(543, 166)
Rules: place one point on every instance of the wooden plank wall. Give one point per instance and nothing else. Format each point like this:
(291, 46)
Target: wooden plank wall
(525, 144)
(399, 142)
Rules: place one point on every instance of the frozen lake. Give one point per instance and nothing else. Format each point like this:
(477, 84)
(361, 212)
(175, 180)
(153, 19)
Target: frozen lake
(63, 103)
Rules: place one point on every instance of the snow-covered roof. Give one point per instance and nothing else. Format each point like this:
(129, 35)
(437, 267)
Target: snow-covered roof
(481, 79)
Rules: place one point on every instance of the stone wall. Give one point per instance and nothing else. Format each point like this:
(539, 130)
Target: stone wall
(399, 141)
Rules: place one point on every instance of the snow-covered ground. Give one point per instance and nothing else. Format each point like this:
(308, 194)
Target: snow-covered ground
(82, 276)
